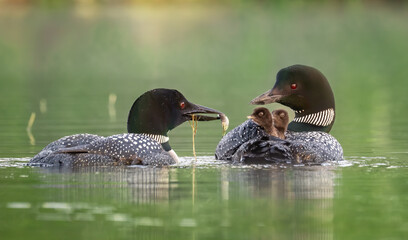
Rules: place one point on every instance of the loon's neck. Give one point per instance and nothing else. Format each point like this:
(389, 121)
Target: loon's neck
(314, 121)
(159, 138)
(164, 141)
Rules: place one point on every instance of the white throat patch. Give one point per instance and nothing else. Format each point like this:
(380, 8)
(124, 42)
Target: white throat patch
(323, 118)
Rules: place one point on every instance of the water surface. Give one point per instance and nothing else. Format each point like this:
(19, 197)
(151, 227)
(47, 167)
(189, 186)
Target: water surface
(62, 65)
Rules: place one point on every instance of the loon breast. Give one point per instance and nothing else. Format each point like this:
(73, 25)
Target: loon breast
(314, 147)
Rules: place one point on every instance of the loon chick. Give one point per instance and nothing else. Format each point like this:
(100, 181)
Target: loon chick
(275, 123)
(280, 121)
(305, 90)
(152, 115)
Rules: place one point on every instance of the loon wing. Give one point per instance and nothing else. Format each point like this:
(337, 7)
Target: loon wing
(299, 147)
(76, 149)
(233, 140)
(263, 151)
(125, 149)
(47, 156)
(71, 141)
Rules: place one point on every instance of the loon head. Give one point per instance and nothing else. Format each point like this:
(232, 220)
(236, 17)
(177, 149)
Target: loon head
(160, 110)
(307, 91)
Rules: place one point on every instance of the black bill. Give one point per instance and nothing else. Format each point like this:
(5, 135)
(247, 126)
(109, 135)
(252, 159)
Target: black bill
(267, 97)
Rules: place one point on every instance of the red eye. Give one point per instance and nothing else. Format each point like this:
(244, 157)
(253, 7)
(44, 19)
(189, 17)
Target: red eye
(293, 86)
(182, 105)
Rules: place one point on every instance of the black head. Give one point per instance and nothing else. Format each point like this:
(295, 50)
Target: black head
(305, 90)
(280, 120)
(263, 117)
(160, 110)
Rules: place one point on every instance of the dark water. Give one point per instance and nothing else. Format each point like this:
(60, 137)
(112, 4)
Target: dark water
(62, 65)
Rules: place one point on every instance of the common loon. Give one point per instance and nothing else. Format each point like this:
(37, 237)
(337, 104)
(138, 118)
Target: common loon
(305, 90)
(152, 115)
(275, 123)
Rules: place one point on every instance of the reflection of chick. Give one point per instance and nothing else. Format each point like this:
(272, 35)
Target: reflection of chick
(275, 123)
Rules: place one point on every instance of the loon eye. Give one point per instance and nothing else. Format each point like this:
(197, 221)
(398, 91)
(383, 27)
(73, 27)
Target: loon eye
(293, 86)
(182, 105)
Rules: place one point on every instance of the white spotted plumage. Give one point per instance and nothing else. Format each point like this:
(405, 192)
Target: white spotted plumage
(318, 146)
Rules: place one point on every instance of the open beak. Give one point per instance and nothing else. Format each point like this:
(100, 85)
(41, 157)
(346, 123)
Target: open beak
(196, 111)
(267, 97)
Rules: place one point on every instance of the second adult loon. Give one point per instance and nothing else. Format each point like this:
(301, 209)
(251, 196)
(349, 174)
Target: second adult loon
(305, 90)
(152, 115)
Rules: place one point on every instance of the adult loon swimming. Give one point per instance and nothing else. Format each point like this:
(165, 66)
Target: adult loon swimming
(152, 115)
(305, 90)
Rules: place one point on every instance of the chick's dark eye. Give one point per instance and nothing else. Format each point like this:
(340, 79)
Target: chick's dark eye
(293, 86)
(182, 105)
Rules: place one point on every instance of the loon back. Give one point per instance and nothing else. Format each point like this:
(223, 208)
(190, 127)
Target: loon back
(230, 143)
(298, 148)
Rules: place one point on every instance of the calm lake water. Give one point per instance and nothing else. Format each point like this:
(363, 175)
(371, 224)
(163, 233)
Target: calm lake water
(62, 65)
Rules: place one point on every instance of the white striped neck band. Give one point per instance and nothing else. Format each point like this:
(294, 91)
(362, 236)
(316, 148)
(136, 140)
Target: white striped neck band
(159, 138)
(323, 118)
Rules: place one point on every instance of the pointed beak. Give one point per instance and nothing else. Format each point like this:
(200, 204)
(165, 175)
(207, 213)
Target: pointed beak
(250, 117)
(267, 97)
(197, 111)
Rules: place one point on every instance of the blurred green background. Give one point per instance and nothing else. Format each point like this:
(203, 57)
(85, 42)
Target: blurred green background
(62, 59)
(68, 56)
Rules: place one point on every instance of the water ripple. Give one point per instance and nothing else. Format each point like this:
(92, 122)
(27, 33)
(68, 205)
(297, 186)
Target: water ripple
(211, 162)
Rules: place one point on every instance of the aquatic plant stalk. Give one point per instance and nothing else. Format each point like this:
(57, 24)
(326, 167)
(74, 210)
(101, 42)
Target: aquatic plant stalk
(224, 123)
(111, 107)
(29, 126)
(194, 124)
